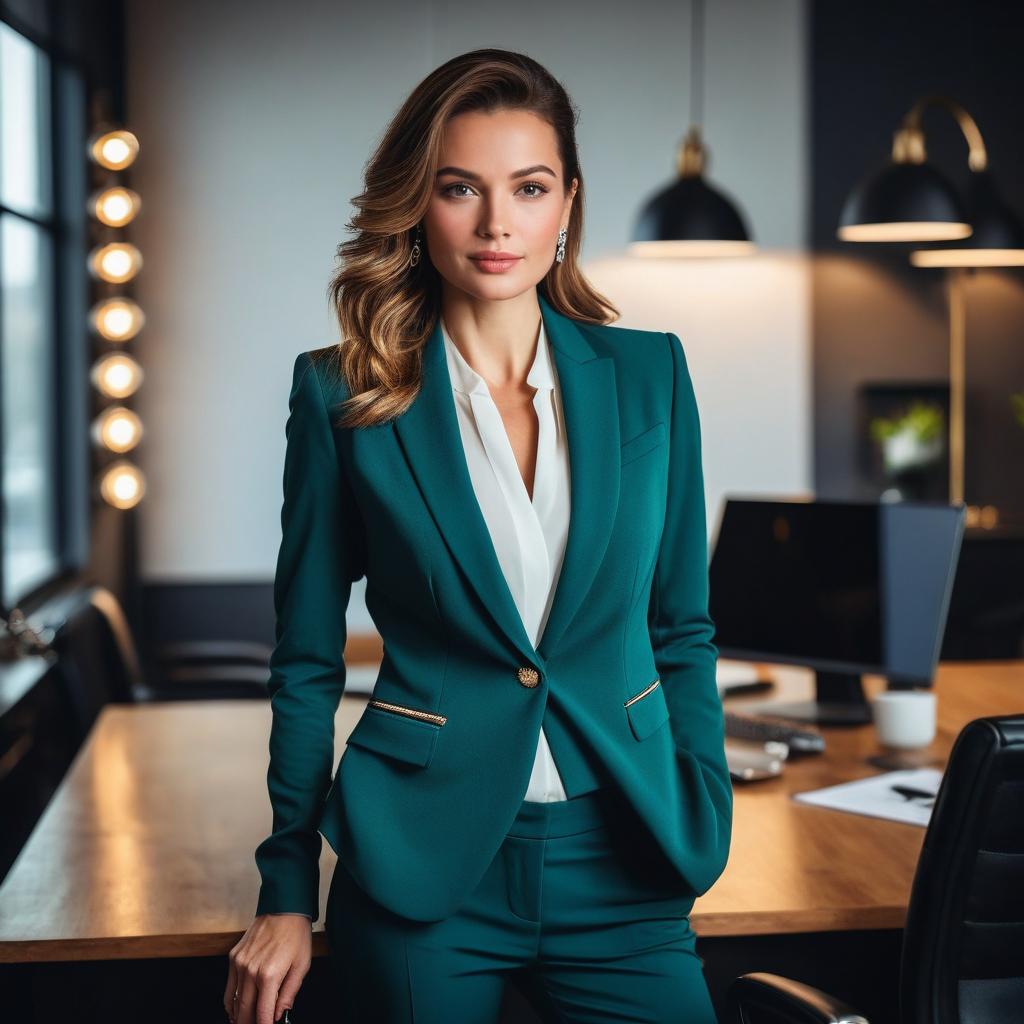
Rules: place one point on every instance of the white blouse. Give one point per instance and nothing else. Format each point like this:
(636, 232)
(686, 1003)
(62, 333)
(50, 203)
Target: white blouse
(529, 536)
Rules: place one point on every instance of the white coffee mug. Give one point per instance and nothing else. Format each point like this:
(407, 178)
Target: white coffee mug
(904, 719)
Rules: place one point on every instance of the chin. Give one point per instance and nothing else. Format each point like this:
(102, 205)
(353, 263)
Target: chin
(501, 286)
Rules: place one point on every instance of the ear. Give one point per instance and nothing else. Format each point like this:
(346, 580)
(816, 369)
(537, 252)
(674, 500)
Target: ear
(572, 195)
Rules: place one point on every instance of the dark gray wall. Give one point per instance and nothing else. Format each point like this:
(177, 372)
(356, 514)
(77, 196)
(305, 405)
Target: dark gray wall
(875, 316)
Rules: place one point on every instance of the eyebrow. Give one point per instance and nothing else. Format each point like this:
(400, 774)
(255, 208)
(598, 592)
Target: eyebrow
(463, 173)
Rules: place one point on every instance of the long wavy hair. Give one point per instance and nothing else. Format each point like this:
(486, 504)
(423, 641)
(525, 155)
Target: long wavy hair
(386, 308)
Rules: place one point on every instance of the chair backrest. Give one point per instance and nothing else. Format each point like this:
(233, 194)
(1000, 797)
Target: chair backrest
(96, 652)
(962, 960)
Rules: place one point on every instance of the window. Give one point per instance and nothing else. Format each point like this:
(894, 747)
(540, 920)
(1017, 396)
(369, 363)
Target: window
(43, 332)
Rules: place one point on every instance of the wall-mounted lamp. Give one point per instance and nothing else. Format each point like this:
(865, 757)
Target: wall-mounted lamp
(908, 200)
(122, 484)
(115, 207)
(117, 428)
(114, 149)
(116, 375)
(996, 241)
(911, 201)
(117, 319)
(114, 262)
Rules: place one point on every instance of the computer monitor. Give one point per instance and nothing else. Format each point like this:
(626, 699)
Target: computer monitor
(843, 587)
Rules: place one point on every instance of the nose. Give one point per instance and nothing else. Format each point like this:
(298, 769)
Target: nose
(494, 221)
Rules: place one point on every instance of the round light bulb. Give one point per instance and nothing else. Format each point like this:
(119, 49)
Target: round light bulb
(117, 429)
(122, 484)
(116, 375)
(114, 150)
(118, 319)
(116, 262)
(116, 206)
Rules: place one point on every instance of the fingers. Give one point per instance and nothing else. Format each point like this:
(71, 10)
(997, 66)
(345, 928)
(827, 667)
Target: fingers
(248, 995)
(290, 989)
(266, 969)
(268, 981)
(231, 986)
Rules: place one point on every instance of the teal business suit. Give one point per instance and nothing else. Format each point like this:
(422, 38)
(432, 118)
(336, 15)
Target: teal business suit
(623, 677)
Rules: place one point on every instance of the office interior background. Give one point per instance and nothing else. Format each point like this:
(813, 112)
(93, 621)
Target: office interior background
(254, 121)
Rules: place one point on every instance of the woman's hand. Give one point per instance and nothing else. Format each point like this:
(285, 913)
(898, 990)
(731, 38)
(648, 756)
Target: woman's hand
(266, 967)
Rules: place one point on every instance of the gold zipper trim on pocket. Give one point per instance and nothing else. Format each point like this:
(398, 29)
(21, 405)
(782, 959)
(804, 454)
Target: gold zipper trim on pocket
(425, 716)
(642, 693)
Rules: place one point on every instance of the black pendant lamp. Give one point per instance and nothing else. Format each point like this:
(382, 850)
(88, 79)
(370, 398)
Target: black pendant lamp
(690, 218)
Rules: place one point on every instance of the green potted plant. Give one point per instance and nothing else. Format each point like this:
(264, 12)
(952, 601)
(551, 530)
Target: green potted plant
(911, 440)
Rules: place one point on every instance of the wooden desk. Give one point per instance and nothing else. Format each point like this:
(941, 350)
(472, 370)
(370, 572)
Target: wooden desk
(797, 868)
(147, 848)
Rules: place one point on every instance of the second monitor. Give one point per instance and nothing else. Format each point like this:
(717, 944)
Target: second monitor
(842, 587)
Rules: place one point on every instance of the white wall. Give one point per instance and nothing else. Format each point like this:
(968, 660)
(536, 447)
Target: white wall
(255, 121)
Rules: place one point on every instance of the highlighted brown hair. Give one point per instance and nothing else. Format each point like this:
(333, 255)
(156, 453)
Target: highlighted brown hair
(387, 309)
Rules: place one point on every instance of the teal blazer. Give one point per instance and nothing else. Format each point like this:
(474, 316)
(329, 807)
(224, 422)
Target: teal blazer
(434, 773)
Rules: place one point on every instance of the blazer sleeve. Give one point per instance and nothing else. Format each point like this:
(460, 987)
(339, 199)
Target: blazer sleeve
(319, 558)
(682, 632)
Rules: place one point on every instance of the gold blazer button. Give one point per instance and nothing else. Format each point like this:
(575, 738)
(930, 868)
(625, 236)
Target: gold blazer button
(529, 676)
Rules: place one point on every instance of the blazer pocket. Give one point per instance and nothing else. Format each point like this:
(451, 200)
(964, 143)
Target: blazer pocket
(404, 733)
(643, 443)
(647, 710)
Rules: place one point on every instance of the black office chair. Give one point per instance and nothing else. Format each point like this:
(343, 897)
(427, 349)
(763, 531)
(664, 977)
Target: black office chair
(962, 960)
(97, 652)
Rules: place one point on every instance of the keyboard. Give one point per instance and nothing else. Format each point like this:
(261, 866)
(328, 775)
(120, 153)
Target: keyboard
(760, 728)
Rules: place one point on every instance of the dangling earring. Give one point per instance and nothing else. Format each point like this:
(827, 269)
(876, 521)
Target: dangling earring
(414, 256)
(560, 251)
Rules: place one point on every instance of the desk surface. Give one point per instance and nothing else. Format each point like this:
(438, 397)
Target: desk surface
(147, 848)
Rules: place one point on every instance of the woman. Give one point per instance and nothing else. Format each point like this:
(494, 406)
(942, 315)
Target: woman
(538, 785)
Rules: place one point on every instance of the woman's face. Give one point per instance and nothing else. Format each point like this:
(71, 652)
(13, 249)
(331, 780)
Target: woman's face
(498, 188)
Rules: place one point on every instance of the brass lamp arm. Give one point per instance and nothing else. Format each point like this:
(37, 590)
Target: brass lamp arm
(908, 141)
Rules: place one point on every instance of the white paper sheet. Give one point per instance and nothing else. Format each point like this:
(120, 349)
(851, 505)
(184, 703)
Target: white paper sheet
(732, 673)
(874, 796)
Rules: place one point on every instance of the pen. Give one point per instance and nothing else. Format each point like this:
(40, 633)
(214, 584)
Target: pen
(910, 792)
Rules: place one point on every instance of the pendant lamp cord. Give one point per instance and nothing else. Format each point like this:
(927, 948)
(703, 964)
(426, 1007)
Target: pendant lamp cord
(696, 61)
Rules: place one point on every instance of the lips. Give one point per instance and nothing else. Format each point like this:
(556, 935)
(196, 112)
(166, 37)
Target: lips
(495, 263)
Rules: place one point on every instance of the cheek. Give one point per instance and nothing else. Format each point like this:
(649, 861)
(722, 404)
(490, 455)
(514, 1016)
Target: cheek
(542, 224)
(447, 224)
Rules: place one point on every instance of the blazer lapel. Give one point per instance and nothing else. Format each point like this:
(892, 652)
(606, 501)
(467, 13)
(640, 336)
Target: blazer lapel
(429, 435)
(590, 407)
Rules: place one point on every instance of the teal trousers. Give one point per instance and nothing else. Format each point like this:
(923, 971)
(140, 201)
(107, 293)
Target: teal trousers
(578, 908)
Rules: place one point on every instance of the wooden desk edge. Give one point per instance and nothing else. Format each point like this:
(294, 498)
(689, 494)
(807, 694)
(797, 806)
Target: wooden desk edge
(174, 946)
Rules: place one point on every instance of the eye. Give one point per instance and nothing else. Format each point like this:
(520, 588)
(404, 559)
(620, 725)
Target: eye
(448, 189)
